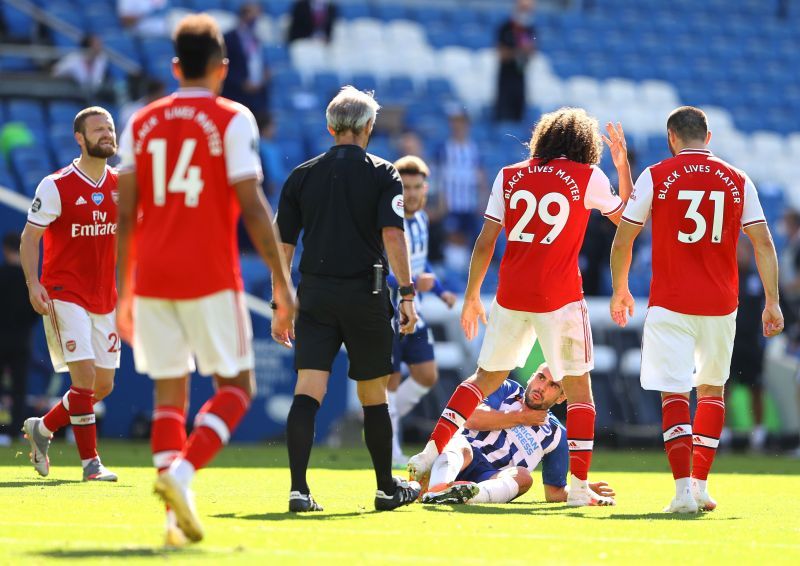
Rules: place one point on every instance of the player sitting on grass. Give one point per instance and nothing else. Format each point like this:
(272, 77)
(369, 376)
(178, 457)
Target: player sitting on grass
(507, 437)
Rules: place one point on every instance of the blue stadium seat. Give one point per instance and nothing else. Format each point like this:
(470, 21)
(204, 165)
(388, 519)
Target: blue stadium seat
(19, 25)
(401, 86)
(206, 5)
(365, 81)
(31, 112)
(287, 80)
(275, 55)
(325, 84)
(68, 13)
(63, 112)
(351, 11)
(441, 34)
(8, 181)
(277, 8)
(16, 63)
(389, 12)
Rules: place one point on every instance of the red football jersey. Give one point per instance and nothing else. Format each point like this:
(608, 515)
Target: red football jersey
(80, 250)
(699, 205)
(545, 208)
(188, 149)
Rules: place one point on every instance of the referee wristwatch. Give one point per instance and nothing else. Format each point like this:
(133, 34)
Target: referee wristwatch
(407, 292)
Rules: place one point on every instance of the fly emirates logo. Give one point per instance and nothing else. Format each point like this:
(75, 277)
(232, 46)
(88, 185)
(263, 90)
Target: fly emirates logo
(98, 228)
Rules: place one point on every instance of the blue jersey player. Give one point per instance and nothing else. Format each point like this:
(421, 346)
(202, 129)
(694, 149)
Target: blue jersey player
(510, 434)
(415, 350)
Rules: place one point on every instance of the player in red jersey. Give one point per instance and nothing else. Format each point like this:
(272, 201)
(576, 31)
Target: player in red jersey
(75, 211)
(189, 169)
(544, 204)
(699, 204)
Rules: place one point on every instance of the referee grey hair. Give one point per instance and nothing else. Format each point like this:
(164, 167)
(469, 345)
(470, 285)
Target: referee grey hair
(351, 109)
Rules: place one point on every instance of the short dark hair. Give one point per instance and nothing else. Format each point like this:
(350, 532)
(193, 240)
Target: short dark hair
(79, 123)
(197, 41)
(688, 123)
(412, 165)
(570, 132)
(11, 241)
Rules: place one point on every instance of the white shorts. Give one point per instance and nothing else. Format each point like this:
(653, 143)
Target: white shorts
(75, 334)
(564, 335)
(168, 335)
(682, 351)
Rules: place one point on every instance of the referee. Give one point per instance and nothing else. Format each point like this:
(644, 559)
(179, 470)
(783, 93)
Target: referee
(349, 205)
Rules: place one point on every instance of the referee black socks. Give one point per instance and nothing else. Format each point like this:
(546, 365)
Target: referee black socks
(378, 437)
(300, 438)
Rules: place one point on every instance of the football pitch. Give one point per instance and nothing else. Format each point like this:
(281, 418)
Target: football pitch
(242, 500)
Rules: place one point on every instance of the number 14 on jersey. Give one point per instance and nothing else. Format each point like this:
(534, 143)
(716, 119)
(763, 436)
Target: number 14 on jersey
(185, 178)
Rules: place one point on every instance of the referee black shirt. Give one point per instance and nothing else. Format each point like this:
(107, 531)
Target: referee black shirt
(341, 200)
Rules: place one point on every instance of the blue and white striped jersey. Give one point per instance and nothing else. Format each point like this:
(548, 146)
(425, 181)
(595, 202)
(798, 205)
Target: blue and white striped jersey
(524, 446)
(459, 163)
(416, 229)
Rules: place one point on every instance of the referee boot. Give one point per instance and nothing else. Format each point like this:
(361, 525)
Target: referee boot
(302, 503)
(405, 493)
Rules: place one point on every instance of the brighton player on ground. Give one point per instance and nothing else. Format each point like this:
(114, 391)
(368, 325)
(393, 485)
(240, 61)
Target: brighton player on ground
(189, 165)
(506, 438)
(75, 210)
(415, 350)
(699, 205)
(544, 204)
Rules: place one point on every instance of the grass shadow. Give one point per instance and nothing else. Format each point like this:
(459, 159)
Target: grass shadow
(283, 516)
(37, 483)
(652, 516)
(123, 552)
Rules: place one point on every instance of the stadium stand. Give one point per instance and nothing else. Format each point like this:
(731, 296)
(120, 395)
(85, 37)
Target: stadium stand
(624, 61)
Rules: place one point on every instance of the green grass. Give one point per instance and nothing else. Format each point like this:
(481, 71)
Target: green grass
(242, 501)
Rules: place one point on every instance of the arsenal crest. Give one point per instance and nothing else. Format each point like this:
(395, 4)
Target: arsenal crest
(115, 196)
(71, 345)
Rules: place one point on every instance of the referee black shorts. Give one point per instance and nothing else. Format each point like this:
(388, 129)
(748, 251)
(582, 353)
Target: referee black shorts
(343, 311)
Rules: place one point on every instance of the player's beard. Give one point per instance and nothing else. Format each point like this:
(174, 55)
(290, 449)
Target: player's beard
(671, 149)
(98, 150)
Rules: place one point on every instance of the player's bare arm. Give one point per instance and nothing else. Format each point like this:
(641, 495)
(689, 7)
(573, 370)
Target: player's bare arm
(554, 494)
(283, 336)
(257, 219)
(394, 240)
(767, 262)
(618, 148)
(473, 310)
(29, 255)
(486, 418)
(128, 199)
(621, 256)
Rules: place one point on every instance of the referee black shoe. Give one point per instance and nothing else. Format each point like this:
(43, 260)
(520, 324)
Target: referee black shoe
(302, 503)
(405, 493)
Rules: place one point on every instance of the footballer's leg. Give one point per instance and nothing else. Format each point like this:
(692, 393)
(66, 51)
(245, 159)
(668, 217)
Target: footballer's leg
(509, 337)
(580, 439)
(399, 460)
(676, 424)
(392, 492)
(467, 396)
(167, 439)
(407, 395)
(709, 418)
(442, 486)
(308, 395)
(504, 486)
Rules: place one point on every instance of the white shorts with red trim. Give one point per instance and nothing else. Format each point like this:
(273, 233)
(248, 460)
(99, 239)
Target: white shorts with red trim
(682, 351)
(75, 334)
(564, 335)
(169, 335)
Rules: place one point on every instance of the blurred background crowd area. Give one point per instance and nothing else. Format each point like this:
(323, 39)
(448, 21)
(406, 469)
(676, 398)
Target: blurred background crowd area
(461, 83)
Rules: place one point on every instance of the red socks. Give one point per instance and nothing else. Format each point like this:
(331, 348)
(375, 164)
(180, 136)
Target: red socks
(677, 428)
(214, 425)
(459, 408)
(81, 415)
(708, 422)
(580, 438)
(58, 417)
(167, 435)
